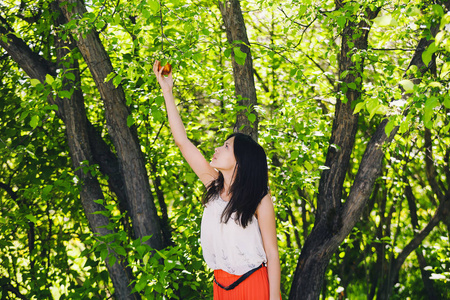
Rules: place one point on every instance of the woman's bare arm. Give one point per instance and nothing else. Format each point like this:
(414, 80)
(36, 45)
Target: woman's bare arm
(267, 226)
(193, 156)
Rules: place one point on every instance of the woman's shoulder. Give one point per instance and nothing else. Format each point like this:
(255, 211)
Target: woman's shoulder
(265, 206)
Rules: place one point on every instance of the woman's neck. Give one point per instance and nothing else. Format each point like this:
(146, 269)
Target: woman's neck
(225, 194)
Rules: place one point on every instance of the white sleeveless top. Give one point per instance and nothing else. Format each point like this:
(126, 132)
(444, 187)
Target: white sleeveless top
(230, 247)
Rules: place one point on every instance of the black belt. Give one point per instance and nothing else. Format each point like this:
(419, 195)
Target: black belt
(239, 280)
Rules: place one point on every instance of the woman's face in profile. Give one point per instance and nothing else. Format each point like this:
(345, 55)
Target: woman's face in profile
(223, 158)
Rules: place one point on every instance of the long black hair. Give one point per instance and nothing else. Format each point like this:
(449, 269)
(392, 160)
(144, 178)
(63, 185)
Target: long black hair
(250, 184)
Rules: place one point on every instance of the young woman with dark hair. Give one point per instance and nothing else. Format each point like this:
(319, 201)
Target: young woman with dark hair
(238, 232)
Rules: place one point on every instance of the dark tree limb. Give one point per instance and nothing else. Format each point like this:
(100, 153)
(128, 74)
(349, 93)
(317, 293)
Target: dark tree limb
(6, 286)
(331, 225)
(243, 75)
(79, 144)
(429, 166)
(428, 283)
(72, 112)
(9, 191)
(131, 161)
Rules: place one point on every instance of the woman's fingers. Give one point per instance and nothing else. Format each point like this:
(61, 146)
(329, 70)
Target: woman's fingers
(155, 67)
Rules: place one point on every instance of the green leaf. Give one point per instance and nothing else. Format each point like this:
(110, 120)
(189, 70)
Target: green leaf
(161, 254)
(413, 11)
(130, 120)
(146, 14)
(308, 165)
(100, 24)
(146, 238)
(34, 82)
(435, 84)
(23, 115)
(142, 282)
(154, 5)
(428, 53)
(252, 118)
(104, 253)
(292, 72)
(117, 80)
(438, 10)
(440, 37)
(358, 107)
(110, 76)
(159, 100)
(389, 127)
(65, 94)
(49, 79)
(190, 177)
(447, 101)
(141, 249)
(31, 218)
(237, 52)
(431, 103)
(46, 190)
(385, 20)
(112, 260)
(227, 52)
(352, 85)
(34, 121)
(70, 76)
(239, 56)
(145, 259)
(344, 74)
(341, 21)
(407, 85)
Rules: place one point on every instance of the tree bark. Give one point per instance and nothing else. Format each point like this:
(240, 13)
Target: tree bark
(333, 221)
(243, 75)
(386, 288)
(443, 210)
(72, 112)
(131, 161)
(427, 282)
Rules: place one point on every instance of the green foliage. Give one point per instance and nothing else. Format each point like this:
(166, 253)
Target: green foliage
(295, 47)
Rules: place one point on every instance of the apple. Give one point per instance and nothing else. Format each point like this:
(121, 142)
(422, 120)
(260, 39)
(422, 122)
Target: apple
(166, 69)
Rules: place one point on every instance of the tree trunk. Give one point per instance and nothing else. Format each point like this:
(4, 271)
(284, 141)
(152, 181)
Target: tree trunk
(131, 161)
(386, 288)
(72, 112)
(243, 74)
(443, 209)
(427, 282)
(334, 222)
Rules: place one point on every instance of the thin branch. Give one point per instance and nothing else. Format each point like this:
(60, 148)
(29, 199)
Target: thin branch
(9, 287)
(266, 89)
(395, 49)
(159, 131)
(330, 80)
(9, 191)
(290, 19)
(162, 26)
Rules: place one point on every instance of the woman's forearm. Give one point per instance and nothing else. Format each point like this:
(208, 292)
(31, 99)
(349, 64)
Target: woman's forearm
(175, 122)
(274, 274)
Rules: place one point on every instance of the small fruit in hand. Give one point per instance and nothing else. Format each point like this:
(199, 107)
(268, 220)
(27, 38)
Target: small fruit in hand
(166, 69)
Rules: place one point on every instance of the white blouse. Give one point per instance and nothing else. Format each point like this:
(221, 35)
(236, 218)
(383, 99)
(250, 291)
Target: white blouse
(230, 247)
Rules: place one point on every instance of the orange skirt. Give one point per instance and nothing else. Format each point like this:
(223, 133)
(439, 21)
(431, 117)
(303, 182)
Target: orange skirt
(255, 287)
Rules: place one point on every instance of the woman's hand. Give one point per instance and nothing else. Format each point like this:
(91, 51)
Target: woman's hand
(166, 83)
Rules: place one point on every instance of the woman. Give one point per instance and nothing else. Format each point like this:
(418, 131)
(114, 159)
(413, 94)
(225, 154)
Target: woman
(238, 234)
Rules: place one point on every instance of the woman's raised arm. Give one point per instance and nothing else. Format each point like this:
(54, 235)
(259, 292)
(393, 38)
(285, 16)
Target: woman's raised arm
(193, 156)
